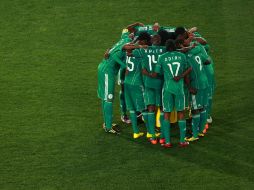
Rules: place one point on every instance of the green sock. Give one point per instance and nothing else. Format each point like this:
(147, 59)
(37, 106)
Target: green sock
(195, 124)
(145, 116)
(122, 103)
(203, 118)
(161, 122)
(151, 123)
(133, 117)
(166, 130)
(182, 126)
(108, 114)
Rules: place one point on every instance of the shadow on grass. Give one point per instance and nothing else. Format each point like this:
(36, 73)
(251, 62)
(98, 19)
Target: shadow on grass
(221, 153)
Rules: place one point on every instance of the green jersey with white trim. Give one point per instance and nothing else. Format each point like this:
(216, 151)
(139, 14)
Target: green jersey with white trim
(196, 58)
(119, 45)
(113, 63)
(172, 64)
(146, 28)
(133, 65)
(168, 28)
(150, 59)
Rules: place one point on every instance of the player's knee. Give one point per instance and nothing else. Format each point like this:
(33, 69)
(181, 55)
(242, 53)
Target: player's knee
(166, 115)
(180, 115)
(151, 108)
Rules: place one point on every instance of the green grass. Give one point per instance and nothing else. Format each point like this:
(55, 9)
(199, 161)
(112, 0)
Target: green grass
(50, 118)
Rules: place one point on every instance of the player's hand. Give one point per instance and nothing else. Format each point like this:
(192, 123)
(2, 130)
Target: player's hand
(106, 54)
(191, 36)
(193, 29)
(177, 78)
(153, 75)
(193, 90)
(143, 46)
(144, 72)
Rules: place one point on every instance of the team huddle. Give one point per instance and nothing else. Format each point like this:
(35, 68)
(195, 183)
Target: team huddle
(163, 71)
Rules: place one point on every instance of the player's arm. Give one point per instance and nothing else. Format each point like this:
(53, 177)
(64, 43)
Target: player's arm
(193, 29)
(131, 27)
(190, 38)
(132, 46)
(157, 70)
(116, 58)
(106, 54)
(205, 58)
(200, 40)
(190, 88)
(186, 72)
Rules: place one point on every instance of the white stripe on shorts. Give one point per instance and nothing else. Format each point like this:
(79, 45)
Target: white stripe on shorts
(194, 102)
(106, 87)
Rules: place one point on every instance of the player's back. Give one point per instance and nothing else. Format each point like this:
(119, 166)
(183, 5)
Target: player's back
(196, 58)
(150, 59)
(133, 66)
(172, 64)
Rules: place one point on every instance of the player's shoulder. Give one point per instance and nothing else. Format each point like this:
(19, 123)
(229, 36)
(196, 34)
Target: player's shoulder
(164, 55)
(137, 52)
(179, 54)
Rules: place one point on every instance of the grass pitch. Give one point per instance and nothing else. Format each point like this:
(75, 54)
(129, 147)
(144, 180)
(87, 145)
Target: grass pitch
(50, 118)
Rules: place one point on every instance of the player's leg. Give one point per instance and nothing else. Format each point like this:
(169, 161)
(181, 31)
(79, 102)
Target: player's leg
(210, 101)
(211, 82)
(109, 86)
(195, 117)
(139, 104)
(167, 103)
(124, 116)
(106, 84)
(179, 106)
(131, 93)
(149, 102)
(203, 112)
(162, 139)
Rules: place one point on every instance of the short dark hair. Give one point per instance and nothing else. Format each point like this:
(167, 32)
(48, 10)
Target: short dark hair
(164, 36)
(180, 31)
(170, 45)
(145, 36)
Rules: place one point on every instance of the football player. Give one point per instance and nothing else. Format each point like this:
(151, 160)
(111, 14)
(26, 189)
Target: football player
(133, 84)
(174, 67)
(198, 86)
(153, 86)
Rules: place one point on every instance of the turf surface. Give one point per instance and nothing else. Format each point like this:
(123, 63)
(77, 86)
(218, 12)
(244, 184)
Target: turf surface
(50, 118)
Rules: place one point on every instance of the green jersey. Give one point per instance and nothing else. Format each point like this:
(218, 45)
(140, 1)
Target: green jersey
(113, 63)
(172, 64)
(147, 28)
(115, 60)
(150, 59)
(119, 45)
(196, 58)
(198, 35)
(133, 63)
(169, 28)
